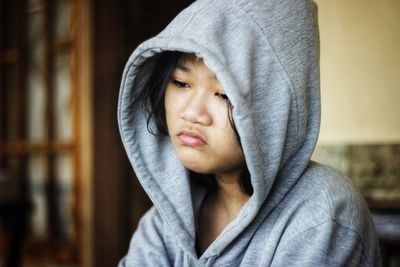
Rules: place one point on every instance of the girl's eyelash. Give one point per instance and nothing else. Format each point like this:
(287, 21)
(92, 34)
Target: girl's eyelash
(222, 96)
(180, 84)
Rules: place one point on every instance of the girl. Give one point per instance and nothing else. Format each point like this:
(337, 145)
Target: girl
(219, 115)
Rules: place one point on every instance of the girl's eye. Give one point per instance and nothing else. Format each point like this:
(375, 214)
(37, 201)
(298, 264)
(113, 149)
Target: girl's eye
(222, 96)
(180, 84)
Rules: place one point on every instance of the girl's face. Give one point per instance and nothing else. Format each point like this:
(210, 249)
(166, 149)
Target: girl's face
(198, 122)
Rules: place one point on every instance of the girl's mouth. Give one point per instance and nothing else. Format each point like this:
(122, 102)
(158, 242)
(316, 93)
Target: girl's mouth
(191, 139)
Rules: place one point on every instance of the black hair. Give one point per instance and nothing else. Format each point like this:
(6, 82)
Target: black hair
(152, 79)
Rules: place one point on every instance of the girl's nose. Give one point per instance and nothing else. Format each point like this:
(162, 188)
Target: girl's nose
(196, 110)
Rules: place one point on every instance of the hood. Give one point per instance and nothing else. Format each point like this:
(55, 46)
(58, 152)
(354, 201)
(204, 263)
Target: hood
(265, 54)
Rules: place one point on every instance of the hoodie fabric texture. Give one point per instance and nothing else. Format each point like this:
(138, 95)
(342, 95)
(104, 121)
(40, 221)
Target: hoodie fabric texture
(265, 53)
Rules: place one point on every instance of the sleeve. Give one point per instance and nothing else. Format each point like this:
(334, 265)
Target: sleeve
(327, 244)
(147, 246)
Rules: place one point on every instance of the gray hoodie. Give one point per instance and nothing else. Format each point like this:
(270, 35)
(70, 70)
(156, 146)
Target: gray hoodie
(265, 53)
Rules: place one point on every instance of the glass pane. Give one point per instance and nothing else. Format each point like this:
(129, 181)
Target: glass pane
(12, 107)
(37, 176)
(36, 77)
(64, 174)
(62, 20)
(62, 98)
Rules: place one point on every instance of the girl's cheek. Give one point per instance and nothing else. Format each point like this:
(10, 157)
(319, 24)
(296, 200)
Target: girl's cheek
(221, 112)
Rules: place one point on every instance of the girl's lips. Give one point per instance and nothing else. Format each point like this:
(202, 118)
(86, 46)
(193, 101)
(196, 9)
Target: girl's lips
(191, 139)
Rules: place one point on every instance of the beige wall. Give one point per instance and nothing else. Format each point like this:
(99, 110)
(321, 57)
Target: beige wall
(360, 71)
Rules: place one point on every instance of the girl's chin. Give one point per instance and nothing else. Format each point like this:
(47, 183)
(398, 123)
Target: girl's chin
(199, 169)
(194, 166)
(203, 168)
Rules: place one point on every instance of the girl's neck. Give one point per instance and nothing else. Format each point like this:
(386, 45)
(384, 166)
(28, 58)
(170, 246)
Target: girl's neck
(229, 196)
(219, 208)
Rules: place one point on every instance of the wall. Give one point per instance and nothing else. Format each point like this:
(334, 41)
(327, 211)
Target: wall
(360, 71)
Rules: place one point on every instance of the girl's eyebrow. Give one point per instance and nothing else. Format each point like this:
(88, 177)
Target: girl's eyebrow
(183, 67)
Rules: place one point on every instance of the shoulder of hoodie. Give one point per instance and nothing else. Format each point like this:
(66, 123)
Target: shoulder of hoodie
(156, 232)
(323, 196)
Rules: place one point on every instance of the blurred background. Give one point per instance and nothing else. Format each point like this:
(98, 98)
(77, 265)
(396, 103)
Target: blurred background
(68, 195)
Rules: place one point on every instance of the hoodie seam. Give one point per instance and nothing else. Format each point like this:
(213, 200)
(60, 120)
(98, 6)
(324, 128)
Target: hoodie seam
(192, 18)
(336, 220)
(340, 226)
(328, 198)
(359, 238)
(254, 21)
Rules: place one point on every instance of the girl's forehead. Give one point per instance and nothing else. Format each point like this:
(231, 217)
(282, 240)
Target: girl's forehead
(190, 58)
(190, 62)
